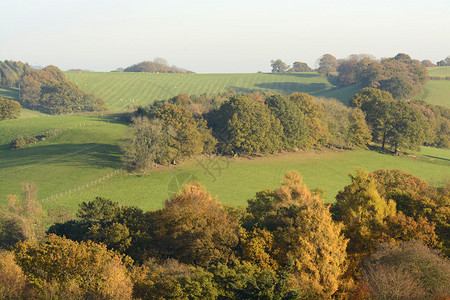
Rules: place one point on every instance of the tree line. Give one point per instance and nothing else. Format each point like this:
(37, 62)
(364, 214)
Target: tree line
(381, 239)
(239, 124)
(233, 124)
(400, 75)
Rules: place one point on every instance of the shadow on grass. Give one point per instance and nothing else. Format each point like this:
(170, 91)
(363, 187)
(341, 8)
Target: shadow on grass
(84, 155)
(302, 75)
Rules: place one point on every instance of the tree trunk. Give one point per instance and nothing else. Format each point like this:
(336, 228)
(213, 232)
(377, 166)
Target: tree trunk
(384, 140)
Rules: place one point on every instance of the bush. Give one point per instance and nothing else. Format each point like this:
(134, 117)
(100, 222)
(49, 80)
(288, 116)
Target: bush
(9, 109)
(18, 142)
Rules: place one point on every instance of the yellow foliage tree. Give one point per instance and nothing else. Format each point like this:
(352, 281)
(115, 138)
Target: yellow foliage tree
(298, 226)
(195, 229)
(61, 268)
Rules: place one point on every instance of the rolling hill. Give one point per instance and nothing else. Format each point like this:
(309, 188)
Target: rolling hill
(123, 91)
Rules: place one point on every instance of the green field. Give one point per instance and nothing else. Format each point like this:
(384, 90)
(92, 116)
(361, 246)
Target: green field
(83, 162)
(87, 149)
(123, 91)
(439, 71)
(9, 93)
(436, 92)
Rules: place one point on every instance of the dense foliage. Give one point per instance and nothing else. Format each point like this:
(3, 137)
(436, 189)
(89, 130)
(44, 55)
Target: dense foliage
(11, 72)
(402, 76)
(49, 91)
(9, 109)
(400, 124)
(286, 244)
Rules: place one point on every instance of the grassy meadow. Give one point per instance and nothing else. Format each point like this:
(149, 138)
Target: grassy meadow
(439, 71)
(436, 92)
(123, 91)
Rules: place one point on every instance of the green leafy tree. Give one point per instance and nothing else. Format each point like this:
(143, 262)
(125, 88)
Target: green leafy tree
(358, 131)
(190, 135)
(364, 212)
(291, 118)
(406, 127)
(369, 72)
(244, 126)
(9, 109)
(377, 105)
(97, 210)
(313, 113)
(327, 64)
(278, 66)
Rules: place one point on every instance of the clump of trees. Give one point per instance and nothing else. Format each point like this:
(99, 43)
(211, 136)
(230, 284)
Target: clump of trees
(402, 76)
(49, 91)
(158, 65)
(239, 124)
(444, 62)
(167, 133)
(9, 109)
(400, 124)
(279, 66)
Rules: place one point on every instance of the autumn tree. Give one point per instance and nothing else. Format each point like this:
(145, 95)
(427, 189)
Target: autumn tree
(13, 282)
(298, 66)
(327, 64)
(428, 63)
(419, 202)
(64, 268)
(22, 218)
(194, 228)
(9, 109)
(294, 223)
(278, 66)
(347, 72)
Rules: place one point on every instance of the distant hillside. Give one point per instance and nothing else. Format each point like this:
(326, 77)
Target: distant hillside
(123, 91)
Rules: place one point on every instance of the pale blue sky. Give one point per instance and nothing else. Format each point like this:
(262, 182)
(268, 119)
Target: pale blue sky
(218, 36)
